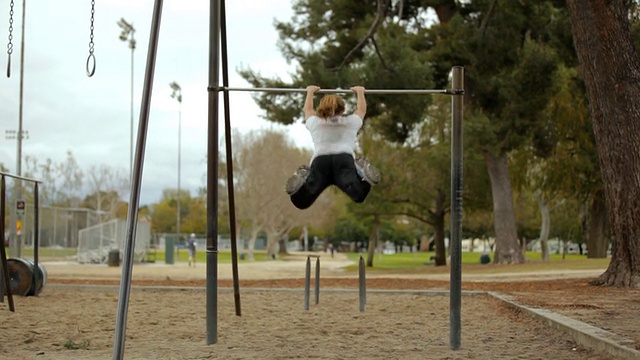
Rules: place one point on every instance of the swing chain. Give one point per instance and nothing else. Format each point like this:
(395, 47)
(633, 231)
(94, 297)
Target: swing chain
(10, 44)
(91, 60)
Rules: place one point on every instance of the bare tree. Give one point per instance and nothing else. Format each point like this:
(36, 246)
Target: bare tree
(264, 159)
(62, 182)
(105, 186)
(48, 190)
(71, 177)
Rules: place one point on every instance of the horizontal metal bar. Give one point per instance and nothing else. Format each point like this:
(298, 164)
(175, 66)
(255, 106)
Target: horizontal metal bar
(19, 177)
(337, 91)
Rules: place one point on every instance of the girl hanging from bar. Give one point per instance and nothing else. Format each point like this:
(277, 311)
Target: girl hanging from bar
(333, 162)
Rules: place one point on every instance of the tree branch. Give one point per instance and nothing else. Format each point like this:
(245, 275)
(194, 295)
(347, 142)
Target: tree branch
(415, 205)
(558, 204)
(384, 64)
(374, 26)
(485, 21)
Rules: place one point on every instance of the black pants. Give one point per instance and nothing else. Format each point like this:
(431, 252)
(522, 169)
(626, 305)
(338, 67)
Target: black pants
(337, 169)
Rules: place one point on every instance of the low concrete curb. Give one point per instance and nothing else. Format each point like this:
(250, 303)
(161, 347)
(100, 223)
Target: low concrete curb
(583, 333)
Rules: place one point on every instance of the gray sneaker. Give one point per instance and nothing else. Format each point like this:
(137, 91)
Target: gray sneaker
(295, 182)
(368, 171)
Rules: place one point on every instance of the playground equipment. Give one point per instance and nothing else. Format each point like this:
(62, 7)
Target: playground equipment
(22, 277)
(37, 274)
(217, 52)
(217, 33)
(362, 286)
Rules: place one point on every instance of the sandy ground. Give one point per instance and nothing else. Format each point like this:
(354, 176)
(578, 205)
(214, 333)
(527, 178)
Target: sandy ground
(72, 321)
(274, 325)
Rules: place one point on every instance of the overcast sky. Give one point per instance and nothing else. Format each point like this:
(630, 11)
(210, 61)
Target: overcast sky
(64, 110)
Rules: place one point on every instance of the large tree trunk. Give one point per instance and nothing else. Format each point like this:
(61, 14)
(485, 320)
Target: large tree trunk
(271, 246)
(441, 252)
(424, 243)
(611, 69)
(273, 239)
(597, 241)
(544, 227)
(251, 246)
(507, 248)
(283, 246)
(445, 10)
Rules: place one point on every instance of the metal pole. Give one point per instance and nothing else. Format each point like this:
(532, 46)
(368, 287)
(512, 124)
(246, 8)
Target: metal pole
(177, 94)
(21, 113)
(317, 283)
(362, 290)
(128, 32)
(36, 238)
(55, 226)
(455, 296)
(5, 282)
(132, 45)
(134, 197)
(179, 165)
(230, 191)
(16, 246)
(340, 91)
(307, 283)
(20, 177)
(3, 255)
(212, 173)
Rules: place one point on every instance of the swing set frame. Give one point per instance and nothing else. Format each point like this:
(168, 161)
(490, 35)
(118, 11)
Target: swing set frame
(217, 52)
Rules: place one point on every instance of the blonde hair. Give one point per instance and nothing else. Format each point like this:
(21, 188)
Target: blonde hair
(330, 106)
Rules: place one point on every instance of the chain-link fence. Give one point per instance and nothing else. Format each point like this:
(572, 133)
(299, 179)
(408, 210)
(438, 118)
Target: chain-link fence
(96, 242)
(59, 227)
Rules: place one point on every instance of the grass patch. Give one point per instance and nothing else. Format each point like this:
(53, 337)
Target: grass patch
(406, 263)
(422, 263)
(224, 256)
(180, 255)
(71, 345)
(49, 253)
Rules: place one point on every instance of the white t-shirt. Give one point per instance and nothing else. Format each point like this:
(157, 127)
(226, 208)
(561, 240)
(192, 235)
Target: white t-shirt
(335, 135)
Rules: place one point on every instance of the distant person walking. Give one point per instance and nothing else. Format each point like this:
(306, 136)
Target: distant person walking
(191, 245)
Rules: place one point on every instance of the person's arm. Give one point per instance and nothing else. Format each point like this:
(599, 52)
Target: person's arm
(308, 102)
(361, 107)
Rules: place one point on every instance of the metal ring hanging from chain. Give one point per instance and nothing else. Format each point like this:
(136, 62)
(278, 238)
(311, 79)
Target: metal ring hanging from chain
(91, 60)
(10, 44)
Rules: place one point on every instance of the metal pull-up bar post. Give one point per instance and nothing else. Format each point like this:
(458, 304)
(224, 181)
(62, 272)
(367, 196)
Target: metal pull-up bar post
(457, 92)
(455, 272)
(214, 89)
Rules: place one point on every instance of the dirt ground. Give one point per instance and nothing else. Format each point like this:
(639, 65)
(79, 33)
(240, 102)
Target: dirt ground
(73, 319)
